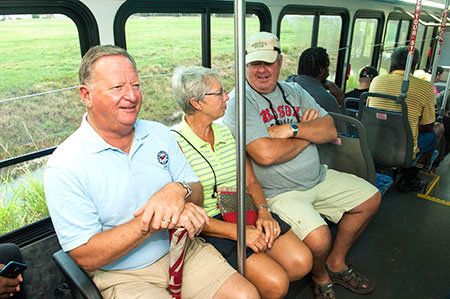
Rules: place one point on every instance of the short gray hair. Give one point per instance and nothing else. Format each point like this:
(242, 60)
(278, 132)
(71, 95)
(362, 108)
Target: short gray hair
(95, 53)
(191, 82)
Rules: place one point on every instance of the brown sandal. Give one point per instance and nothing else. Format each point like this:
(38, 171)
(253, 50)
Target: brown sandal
(352, 281)
(324, 291)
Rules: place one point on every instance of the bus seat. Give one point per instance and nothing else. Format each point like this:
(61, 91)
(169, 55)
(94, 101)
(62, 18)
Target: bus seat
(349, 153)
(389, 135)
(349, 107)
(82, 284)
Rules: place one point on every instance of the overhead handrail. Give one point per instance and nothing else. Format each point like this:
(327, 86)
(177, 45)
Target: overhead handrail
(412, 45)
(431, 24)
(239, 43)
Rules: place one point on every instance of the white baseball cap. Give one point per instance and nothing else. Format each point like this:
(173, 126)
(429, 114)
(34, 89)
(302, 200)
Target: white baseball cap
(262, 46)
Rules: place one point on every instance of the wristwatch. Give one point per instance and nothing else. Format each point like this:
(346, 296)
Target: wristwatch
(263, 207)
(294, 128)
(188, 189)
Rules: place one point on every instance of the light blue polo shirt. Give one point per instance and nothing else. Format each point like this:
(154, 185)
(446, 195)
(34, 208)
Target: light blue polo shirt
(91, 186)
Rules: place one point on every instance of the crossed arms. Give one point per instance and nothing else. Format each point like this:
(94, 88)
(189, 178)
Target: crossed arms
(282, 147)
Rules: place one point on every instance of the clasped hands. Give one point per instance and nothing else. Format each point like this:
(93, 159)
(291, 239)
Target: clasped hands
(167, 209)
(260, 238)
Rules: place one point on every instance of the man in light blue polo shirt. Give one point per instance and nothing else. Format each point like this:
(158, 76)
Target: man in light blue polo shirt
(116, 186)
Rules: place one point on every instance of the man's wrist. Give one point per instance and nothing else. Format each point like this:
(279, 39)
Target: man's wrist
(263, 207)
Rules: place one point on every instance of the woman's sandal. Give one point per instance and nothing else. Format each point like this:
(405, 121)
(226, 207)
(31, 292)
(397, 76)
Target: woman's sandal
(352, 281)
(323, 291)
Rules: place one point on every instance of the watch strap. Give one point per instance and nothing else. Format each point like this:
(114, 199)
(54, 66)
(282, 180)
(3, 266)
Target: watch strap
(188, 189)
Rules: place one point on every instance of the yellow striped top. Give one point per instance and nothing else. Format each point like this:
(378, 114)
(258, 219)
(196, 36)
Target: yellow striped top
(222, 159)
(420, 99)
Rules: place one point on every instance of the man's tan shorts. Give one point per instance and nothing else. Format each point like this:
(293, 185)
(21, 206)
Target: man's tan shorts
(338, 193)
(204, 272)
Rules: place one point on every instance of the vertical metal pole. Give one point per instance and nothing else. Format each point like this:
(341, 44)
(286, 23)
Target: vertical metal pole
(315, 33)
(441, 38)
(206, 39)
(409, 60)
(239, 42)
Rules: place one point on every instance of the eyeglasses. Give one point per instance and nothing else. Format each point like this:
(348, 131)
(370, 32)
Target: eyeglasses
(219, 93)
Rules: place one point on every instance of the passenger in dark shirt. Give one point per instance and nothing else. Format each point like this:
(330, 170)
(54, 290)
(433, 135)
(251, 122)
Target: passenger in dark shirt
(313, 71)
(365, 78)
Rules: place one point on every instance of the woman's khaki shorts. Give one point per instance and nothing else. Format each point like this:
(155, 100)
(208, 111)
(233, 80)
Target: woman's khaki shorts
(338, 193)
(204, 272)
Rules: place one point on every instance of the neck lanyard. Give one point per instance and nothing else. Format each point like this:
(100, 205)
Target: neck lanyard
(214, 173)
(271, 105)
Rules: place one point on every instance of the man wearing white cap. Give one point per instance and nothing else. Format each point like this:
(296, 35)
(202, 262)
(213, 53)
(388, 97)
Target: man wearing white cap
(283, 123)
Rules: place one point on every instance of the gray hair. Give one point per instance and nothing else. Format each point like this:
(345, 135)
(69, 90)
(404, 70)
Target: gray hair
(95, 53)
(191, 82)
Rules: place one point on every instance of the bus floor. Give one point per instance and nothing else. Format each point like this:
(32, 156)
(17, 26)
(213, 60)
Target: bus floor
(404, 248)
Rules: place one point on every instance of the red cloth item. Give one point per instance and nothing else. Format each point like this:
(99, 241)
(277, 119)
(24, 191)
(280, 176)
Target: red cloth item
(178, 240)
(250, 216)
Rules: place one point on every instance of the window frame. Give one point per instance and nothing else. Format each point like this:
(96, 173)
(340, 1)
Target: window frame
(204, 8)
(88, 35)
(370, 14)
(317, 11)
(78, 12)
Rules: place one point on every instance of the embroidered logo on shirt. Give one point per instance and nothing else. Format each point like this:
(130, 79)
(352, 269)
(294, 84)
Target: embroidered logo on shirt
(163, 158)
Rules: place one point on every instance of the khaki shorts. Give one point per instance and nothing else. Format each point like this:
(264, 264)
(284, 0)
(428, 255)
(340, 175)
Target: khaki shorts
(204, 272)
(338, 193)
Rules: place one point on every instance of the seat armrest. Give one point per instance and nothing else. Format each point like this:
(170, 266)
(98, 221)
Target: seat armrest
(76, 276)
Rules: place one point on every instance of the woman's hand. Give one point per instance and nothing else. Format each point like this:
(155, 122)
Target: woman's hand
(269, 226)
(255, 239)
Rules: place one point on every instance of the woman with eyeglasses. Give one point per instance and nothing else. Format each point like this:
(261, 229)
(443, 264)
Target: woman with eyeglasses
(274, 255)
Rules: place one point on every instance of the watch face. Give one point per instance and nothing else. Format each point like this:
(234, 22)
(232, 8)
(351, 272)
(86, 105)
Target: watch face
(294, 126)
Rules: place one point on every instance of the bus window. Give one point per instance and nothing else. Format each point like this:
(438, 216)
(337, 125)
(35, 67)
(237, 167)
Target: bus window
(427, 38)
(39, 104)
(329, 35)
(222, 44)
(404, 37)
(159, 46)
(362, 49)
(389, 45)
(295, 37)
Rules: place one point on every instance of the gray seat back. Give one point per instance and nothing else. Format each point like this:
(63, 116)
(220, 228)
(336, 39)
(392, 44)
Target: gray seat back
(348, 110)
(389, 135)
(349, 153)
